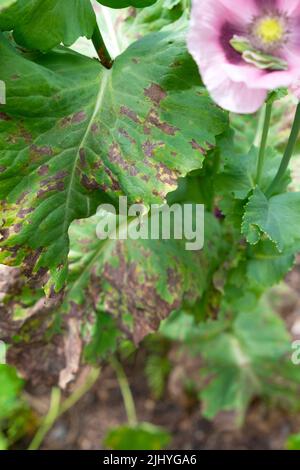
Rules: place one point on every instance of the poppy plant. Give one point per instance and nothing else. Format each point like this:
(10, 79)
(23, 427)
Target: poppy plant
(295, 89)
(245, 48)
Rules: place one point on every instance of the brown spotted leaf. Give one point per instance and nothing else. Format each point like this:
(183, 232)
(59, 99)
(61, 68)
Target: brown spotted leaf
(44, 355)
(74, 134)
(115, 289)
(137, 282)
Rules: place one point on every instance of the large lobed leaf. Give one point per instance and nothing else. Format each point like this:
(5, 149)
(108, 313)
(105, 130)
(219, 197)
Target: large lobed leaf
(74, 134)
(245, 356)
(245, 361)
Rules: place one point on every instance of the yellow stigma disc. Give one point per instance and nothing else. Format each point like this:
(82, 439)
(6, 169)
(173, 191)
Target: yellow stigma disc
(269, 30)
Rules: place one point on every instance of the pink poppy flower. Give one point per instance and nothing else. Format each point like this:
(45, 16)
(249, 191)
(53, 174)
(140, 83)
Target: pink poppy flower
(295, 89)
(245, 48)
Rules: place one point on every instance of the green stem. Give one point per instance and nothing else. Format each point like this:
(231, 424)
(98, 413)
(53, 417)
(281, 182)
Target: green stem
(57, 409)
(263, 143)
(48, 421)
(101, 49)
(80, 391)
(214, 172)
(126, 392)
(259, 127)
(287, 154)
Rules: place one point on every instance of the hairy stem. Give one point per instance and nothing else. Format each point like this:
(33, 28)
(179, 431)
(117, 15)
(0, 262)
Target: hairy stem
(263, 143)
(259, 127)
(101, 49)
(126, 392)
(287, 154)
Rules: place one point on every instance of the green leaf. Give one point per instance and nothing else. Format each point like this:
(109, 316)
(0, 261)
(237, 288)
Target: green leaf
(74, 135)
(243, 362)
(161, 15)
(3, 442)
(277, 95)
(266, 266)
(157, 370)
(278, 218)
(44, 24)
(127, 3)
(178, 326)
(104, 337)
(237, 174)
(5, 4)
(14, 411)
(10, 386)
(244, 356)
(237, 177)
(293, 442)
(143, 436)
